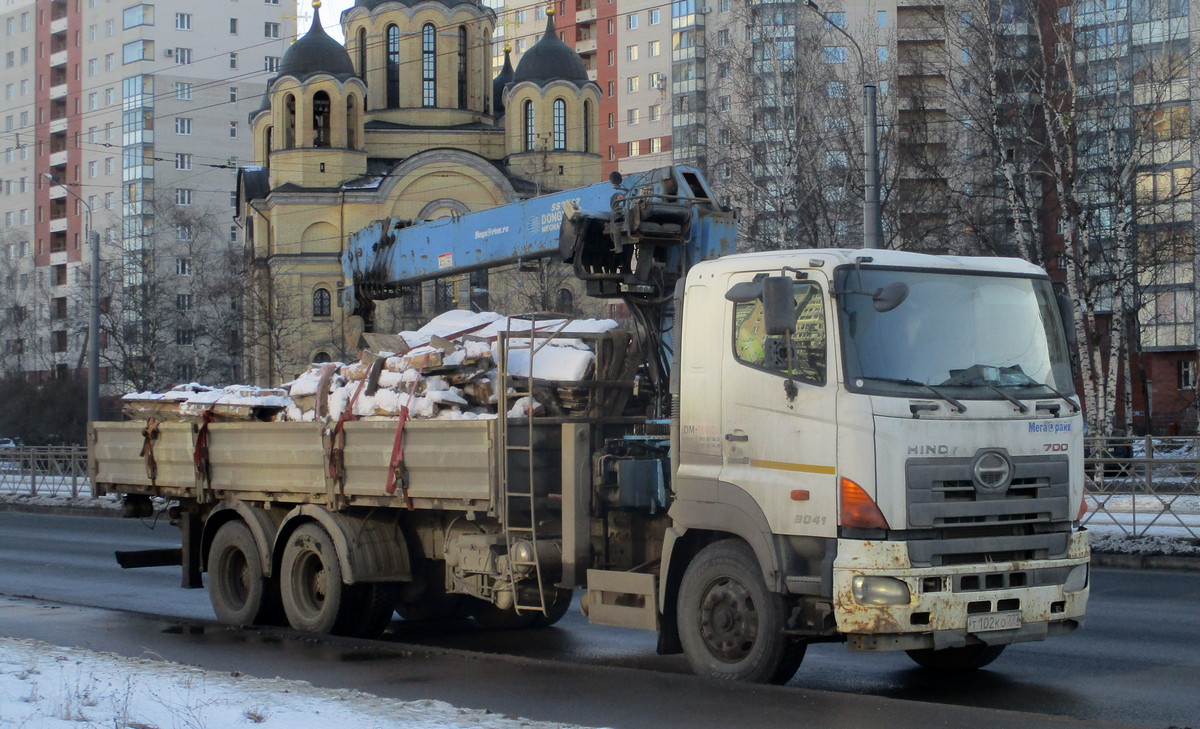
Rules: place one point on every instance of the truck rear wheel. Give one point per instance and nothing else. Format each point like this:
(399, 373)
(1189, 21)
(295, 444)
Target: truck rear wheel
(314, 598)
(730, 624)
(239, 592)
(966, 658)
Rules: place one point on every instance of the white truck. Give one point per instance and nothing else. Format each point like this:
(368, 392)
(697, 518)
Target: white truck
(868, 446)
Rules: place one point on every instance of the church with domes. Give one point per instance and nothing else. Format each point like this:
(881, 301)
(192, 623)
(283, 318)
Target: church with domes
(405, 120)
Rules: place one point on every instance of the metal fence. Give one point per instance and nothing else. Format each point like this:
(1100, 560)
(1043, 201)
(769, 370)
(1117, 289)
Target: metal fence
(1146, 485)
(1135, 486)
(45, 471)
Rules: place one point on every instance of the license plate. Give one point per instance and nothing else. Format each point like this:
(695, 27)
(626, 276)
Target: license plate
(984, 622)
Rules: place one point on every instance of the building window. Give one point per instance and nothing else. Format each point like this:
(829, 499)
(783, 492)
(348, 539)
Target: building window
(632, 84)
(140, 50)
(632, 21)
(1187, 374)
(233, 26)
(835, 19)
(133, 17)
(462, 67)
(183, 266)
(653, 48)
(428, 65)
(631, 52)
(183, 56)
(881, 54)
(529, 126)
(233, 60)
(183, 21)
(183, 196)
(321, 303)
(270, 30)
(233, 94)
(633, 115)
(271, 64)
(835, 54)
(655, 112)
(183, 125)
(560, 124)
(635, 149)
(654, 17)
(183, 302)
(656, 145)
(233, 129)
(185, 337)
(393, 67)
(183, 91)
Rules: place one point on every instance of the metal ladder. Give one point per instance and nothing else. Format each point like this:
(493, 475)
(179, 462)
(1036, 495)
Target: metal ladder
(520, 498)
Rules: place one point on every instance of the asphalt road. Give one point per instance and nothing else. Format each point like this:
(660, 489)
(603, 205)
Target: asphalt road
(1135, 663)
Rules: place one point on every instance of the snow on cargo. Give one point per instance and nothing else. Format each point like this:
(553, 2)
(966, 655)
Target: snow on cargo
(446, 369)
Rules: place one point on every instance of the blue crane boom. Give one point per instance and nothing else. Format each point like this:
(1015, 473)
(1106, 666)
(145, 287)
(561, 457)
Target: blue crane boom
(626, 237)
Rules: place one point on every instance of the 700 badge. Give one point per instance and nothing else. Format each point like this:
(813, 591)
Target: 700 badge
(1055, 447)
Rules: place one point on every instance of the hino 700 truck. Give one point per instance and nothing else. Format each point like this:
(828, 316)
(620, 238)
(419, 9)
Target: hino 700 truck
(868, 446)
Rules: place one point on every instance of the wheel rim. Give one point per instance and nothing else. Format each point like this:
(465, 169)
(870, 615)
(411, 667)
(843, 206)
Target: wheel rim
(235, 573)
(728, 620)
(311, 583)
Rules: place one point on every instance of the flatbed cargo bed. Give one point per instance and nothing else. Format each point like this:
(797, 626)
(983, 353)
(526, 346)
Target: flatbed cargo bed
(449, 463)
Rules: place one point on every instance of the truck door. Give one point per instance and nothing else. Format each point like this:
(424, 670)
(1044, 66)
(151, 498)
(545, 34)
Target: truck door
(782, 450)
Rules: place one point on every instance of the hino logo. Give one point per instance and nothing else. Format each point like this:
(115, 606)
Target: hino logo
(929, 450)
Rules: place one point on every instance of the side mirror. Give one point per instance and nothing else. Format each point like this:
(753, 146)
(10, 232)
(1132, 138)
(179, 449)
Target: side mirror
(1066, 312)
(779, 305)
(890, 296)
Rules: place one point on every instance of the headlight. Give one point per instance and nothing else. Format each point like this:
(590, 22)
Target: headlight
(872, 590)
(1077, 579)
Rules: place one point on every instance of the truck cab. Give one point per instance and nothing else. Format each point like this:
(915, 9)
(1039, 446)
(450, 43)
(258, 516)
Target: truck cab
(906, 469)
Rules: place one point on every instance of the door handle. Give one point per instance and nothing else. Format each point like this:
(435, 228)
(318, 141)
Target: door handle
(737, 437)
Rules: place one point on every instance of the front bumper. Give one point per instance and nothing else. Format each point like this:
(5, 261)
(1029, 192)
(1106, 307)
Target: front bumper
(944, 601)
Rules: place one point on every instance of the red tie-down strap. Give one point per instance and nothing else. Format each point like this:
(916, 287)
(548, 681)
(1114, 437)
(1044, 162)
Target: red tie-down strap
(200, 454)
(397, 471)
(149, 436)
(337, 450)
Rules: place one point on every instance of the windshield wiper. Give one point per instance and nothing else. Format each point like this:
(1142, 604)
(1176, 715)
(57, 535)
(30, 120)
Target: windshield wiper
(1059, 395)
(1020, 405)
(937, 393)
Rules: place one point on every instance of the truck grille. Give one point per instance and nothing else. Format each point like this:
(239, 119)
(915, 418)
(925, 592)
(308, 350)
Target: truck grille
(952, 520)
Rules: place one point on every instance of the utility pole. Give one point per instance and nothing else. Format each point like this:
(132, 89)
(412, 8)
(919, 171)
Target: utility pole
(93, 239)
(872, 214)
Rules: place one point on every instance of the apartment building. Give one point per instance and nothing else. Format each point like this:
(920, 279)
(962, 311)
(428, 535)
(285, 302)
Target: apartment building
(125, 120)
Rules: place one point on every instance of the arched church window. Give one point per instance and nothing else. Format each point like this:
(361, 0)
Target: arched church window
(393, 67)
(428, 65)
(321, 303)
(351, 122)
(321, 121)
(560, 124)
(587, 126)
(289, 122)
(362, 53)
(462, 66)
(527, 118)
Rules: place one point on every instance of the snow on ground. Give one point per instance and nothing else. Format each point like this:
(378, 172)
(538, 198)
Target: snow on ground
(46, 687)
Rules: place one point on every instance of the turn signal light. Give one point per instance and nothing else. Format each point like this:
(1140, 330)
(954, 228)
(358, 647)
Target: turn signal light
(1083, 505)
(858, 510)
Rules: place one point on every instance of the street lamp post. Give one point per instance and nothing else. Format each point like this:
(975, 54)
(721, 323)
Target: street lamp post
(93, 239)
(872, 215)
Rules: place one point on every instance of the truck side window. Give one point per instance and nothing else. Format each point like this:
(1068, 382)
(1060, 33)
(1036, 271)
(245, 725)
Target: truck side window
(753, 347)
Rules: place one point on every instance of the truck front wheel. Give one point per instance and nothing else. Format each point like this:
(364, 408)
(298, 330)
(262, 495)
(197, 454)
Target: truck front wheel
(239, 592)
(730, 624)
(314, 598)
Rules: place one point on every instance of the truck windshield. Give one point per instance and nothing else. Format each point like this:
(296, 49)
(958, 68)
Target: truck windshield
(958, 335)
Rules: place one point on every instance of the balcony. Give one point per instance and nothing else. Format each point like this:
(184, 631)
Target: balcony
(583, 47)
(58, 25)
(57, 191)
(58, 225)
(58, 92)
(585, 16)
(58, 159)
(58, 59)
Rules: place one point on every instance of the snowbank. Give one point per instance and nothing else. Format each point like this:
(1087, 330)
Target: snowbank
(66, 688)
